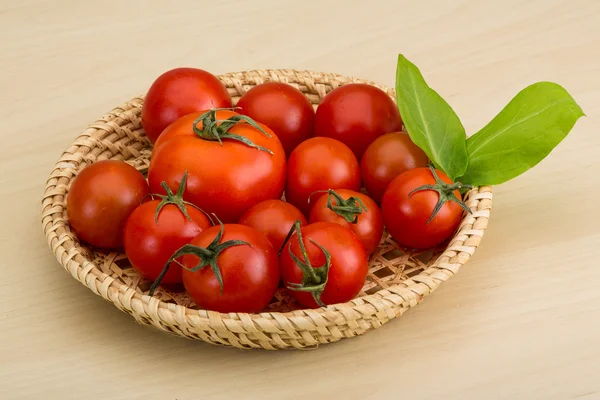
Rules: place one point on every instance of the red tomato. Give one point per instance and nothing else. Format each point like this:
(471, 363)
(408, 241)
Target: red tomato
(355, 211)
(178, 92)
(225, 179)
(386, 158)
(245, 261)
(101, 198)
(320, 164)
(356, 114)
(274, 218)
(158, 228)
(428, 216)
(283, 108)
(343, 276)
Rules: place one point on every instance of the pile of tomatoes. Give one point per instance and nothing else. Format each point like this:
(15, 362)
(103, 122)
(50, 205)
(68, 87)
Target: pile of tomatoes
(210, 214)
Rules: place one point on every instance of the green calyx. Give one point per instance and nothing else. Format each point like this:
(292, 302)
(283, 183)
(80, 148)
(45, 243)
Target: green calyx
(175, 199)
(217, 130)
(445, 192)
(348, 209)
(208, 257)
(314, 279)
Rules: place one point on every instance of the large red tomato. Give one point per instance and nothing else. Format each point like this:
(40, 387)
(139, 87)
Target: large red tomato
(100, 200)
(178, 92)
(386, 158)
(283, 108)
(354, 210)
(356, 114)
(274, 218)
(320, 164)
(328, 266)
(156, 229)
(230, 268)
(227, 177)
(422, 207)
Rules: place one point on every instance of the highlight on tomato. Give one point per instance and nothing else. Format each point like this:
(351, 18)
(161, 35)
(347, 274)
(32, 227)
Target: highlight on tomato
(178, 92)
(157, 228)
(320, 163)
(283, 108)
(354, 210)
(422, 207)
(233, 162)
(228, 268)
(101, 198)
(356, 114)
(323, 263)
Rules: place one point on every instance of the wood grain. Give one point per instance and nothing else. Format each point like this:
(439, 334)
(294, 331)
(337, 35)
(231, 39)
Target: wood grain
(520, 321)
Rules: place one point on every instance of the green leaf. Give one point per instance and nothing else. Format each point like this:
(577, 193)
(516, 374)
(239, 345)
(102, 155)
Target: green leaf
(535, 121)
(430, 121)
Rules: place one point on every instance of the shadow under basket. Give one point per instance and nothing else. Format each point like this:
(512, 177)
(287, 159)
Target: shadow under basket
(398, 279)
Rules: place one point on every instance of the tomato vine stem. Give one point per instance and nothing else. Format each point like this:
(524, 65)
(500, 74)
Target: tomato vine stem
(445, 192)
(177, 200)
(314, 279)
(216, 129)
(348, 209)
(208, 257)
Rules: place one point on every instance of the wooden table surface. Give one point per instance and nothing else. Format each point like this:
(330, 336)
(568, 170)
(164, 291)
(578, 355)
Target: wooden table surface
(520, 321)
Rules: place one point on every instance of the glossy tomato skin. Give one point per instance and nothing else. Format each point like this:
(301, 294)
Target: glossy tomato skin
(356, 114)
(349, 265)
(320, 163)
(149, 245)
(406, 218)
(223, 179)
(100, 200)
(178, 92)
(283, 108)
(274, 218)
(369, 224)
(386, 158)
(250, 273)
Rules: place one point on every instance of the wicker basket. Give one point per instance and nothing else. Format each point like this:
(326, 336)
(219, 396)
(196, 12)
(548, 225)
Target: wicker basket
(398, 279)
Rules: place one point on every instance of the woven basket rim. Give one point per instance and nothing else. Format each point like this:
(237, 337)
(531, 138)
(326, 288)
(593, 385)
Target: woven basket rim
(66, 250)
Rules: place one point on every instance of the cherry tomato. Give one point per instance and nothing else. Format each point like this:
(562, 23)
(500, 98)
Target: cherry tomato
(237, 269)
(100, 200)
(320, 164)
(386, 158)
(428, 216)
(274, 218)
(283, 108)
(356, 114)
(223, 178)
(156, 229)
(354, 210)
(344, 274)
(178, 92)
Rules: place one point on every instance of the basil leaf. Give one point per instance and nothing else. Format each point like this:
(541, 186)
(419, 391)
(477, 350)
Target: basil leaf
(535, 121)
(430, 121)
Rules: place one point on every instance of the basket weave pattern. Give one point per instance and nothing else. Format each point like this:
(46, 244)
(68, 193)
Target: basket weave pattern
(398, 279)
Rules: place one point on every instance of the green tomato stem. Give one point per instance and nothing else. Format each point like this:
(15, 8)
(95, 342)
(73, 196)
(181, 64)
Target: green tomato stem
(208, 257)
(217, 130)
(445, 192)
(177, 200)
(349, 209)
(314, 279)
